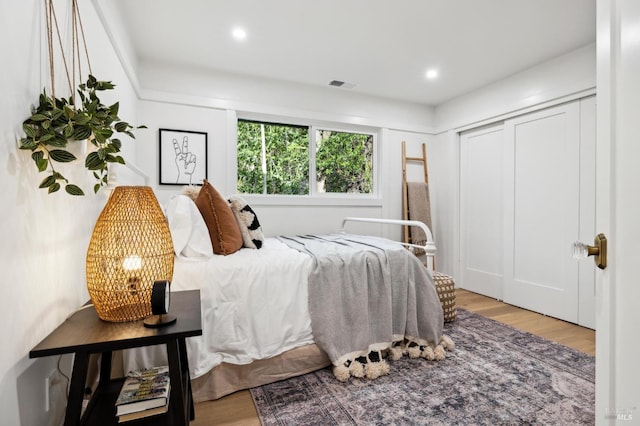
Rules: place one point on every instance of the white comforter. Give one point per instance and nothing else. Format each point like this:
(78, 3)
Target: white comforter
(254, 306)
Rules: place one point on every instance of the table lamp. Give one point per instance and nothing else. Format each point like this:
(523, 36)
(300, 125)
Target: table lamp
(130, 249)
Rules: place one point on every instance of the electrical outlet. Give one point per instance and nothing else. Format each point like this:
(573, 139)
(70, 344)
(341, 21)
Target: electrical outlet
(58, 399)
(55, 397)
(48, 382)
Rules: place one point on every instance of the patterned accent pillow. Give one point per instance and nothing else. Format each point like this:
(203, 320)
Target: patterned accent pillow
(250, 228)
(191, 191)
(221, 222)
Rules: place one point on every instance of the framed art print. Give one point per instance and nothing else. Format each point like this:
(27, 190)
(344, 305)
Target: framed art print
(183, 157)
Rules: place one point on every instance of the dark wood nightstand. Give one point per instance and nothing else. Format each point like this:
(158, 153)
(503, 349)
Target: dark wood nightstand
(84, 333)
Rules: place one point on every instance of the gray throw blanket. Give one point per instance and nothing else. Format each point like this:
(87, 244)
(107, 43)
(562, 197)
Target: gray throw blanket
(370, 297)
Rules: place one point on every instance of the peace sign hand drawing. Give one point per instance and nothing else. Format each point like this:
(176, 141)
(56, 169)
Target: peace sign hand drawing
(185, 160)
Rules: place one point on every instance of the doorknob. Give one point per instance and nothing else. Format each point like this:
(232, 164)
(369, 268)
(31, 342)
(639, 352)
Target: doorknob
(598, 250)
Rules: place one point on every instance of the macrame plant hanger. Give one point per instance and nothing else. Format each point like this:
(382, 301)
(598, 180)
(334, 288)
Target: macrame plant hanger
(77, 31)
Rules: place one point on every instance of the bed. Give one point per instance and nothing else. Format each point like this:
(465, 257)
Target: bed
(260, 321)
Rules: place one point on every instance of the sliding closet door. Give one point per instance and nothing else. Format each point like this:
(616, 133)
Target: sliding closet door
(541, 211)
(481, 209)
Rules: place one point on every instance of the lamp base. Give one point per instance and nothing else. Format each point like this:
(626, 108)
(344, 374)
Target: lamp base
(157, 321)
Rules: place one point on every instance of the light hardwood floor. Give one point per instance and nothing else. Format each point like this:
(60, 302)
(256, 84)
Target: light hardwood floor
(238, 409)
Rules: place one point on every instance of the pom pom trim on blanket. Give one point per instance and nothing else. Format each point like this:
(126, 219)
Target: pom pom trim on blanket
(372, 364)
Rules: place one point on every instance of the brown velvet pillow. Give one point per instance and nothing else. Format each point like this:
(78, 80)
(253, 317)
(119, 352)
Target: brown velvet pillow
(223, 229)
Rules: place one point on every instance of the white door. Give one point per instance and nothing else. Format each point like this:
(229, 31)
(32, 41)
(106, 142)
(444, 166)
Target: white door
(586, 271)
(618, 212)
(481, 179)
(541, 211)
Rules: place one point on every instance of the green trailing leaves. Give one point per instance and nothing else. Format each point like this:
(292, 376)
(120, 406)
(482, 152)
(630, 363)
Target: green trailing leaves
(61, 156)
(114, 109)
(54, 188)
(81, 133)
(39, 117)
(48, 181)
(82, 118)
(122, 126)
(93, 161)
(41, 162)
(68, 131)
(73, 189)
(116, 144)
(56, 122)
(27, 143)
(29, 131)
(37, 156)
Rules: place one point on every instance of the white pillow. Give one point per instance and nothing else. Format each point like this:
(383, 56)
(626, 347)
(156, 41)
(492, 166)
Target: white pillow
(188, 230)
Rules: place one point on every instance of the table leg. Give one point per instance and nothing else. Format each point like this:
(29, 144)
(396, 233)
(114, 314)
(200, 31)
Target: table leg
(76, 388)
(177, 394)
(184, 362)
(105, 368)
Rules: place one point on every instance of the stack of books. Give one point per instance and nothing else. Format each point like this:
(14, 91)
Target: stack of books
(144, 393)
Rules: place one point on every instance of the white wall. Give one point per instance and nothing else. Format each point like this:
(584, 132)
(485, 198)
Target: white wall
(444, 172)
(157, 115)
(163, 82)
(278, 215)
(211, 102)
(43, 237)
(569, 76)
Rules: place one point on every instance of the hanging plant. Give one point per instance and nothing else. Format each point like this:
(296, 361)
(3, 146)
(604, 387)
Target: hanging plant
(56, 122)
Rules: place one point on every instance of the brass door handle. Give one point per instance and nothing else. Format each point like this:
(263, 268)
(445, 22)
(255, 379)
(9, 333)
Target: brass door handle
(598, 250)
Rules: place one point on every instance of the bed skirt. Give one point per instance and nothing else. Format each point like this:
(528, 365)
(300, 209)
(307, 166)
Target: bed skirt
(227, 378)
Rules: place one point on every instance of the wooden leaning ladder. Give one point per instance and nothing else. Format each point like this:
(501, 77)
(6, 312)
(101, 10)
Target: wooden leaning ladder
(405, 191)
(444, 284)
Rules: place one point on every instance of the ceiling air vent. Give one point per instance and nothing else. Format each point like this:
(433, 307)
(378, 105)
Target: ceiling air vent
(343, 84)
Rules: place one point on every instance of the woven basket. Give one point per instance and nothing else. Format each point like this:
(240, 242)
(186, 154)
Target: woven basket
(446, 289)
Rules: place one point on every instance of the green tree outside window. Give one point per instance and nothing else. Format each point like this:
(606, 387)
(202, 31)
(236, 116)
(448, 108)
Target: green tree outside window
(274, 159)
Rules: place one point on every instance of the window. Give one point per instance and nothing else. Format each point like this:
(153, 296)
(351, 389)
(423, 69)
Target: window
(344, 162)
(272, 158)
(287, 159)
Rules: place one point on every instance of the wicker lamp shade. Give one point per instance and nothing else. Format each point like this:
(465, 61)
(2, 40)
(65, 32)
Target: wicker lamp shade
(130, 248)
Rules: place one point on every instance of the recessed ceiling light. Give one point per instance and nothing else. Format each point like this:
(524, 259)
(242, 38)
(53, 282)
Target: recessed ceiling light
(431, 74)
(239, 33)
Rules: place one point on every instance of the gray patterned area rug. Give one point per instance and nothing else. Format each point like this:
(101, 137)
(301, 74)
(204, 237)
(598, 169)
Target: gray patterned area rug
(496, 375)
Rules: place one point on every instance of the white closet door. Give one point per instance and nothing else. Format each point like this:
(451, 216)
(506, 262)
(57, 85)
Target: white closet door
(481, 209)
(541, 211)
